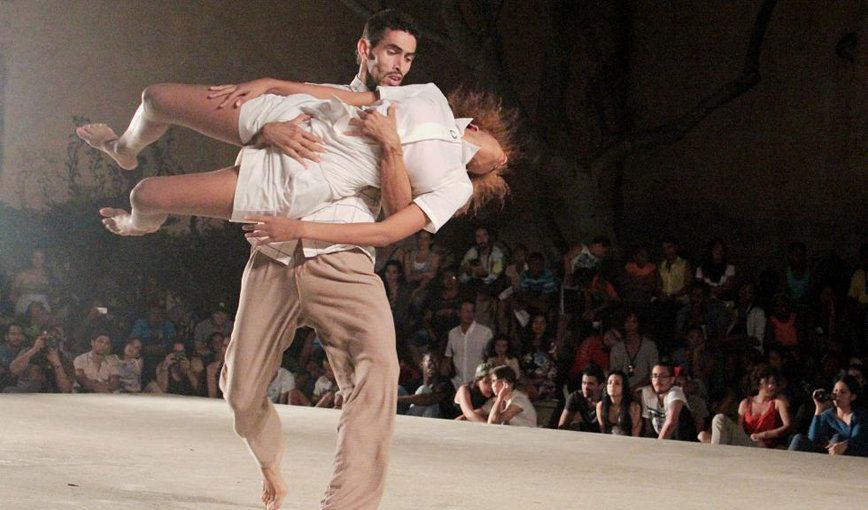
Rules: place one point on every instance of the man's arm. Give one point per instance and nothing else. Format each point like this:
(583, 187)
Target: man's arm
(671, 422)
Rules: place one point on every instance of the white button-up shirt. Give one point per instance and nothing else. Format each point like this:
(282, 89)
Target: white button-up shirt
(467, 350)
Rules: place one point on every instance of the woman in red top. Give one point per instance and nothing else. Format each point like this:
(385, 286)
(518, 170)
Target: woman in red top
(763, 419)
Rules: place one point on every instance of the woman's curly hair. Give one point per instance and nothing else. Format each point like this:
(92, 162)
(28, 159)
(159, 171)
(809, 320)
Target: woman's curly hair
(491, 116)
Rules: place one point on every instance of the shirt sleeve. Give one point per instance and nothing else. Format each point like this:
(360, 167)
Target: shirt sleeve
(674, 395)
(78, 362)
(450, 352)
(441, 204)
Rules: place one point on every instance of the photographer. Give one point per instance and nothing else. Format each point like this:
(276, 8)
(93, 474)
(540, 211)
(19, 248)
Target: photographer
(97, 370)
(839, 423)
(41, 368)
(174, 375)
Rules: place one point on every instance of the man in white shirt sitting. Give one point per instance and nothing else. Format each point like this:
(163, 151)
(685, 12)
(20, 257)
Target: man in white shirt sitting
(664, 406)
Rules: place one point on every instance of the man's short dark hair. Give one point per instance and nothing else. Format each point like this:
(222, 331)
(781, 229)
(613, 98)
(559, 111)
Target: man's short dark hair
(668, 366)
(593, 370)
(506, 373)
(388, 19)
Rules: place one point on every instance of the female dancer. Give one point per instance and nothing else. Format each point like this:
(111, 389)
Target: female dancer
(444, 168)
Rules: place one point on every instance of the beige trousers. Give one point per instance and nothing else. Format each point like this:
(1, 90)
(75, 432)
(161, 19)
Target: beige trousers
(726, 431)
(340, 296)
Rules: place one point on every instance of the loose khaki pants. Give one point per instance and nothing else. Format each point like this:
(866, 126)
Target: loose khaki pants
(340, 296)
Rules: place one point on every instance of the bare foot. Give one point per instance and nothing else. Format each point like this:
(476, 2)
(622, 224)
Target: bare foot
(120, 222)
(100, 136)
(273, 488)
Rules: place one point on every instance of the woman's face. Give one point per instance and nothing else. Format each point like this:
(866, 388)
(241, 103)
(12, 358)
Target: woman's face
(392, 273)
(423, 239)
(538, 326)
(501, 346)
(133, 350)
(842, 395)
(37, 259)
(768, 386)
(615, 386)
(490, 155)
(498, 385)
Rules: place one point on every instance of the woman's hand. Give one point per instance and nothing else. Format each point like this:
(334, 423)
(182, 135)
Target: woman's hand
(271, 229)
(378, 127)
(820, 406)
(236, 95)
(837, 448)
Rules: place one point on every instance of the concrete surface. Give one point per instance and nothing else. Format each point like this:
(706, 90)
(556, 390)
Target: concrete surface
(146, 452)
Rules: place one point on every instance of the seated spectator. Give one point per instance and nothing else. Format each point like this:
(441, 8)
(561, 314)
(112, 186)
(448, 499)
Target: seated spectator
(517, 266)
(36, 319)
(14, 341)
(201, 357)
(704, 313)
(537, 364)
(96, 371)
(537, 287)
(281, 387)
(748, 324)
(595, 349)
(763, 419)
(420, 266)
(130, 367)
(716, 272)
(510, 406)
(326, 392)
(399, 294)
(499, 352)
(640, 279)
(839, 424)
(580, 411)
(489, 260)
(784, 323)
(42, 367)
(217, 322)
(174, 375)
(664, 406)
(98, 318)
(797, 278)
(580, 265)
(31, 285)
(212, 371)
(635, 355)
(617, 412)
(600, 296)
(433, 398)
(444, 304)
(155, 331)
(675, 273)
(471, 397)
(466, 346)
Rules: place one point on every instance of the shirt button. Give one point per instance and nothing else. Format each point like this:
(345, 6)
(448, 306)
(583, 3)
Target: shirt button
(454, 134)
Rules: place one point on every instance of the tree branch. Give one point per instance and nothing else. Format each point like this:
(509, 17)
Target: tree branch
(677, 129)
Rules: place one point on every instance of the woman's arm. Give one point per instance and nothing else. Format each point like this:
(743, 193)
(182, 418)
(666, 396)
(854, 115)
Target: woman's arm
(636, 418)
(287, 88)
(270, 229)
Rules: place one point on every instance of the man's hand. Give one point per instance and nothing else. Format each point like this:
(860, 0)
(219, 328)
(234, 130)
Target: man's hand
(236, 95)
(271, 229)
(53, 357)
(378, 127)
(292, 139)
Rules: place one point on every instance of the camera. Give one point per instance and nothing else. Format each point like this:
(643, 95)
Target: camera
(52, 340)
(822, 396)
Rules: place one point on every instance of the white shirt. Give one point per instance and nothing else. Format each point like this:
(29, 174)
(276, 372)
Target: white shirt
(283, 382)
(467, 351)
(527, 416)
(100, 372)
(652, 409)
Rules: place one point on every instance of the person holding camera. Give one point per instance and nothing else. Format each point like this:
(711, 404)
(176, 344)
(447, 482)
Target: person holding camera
(839, 424)
(97, 370)
(174, 375)
(40, 368)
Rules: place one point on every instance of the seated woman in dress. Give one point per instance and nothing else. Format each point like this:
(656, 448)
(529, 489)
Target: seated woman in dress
(617, 412)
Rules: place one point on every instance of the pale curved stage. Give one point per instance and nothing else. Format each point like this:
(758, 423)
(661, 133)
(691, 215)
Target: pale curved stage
(147, 452)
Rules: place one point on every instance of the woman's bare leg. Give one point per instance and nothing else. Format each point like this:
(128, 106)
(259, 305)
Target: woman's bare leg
(164, 105)
(209, 194)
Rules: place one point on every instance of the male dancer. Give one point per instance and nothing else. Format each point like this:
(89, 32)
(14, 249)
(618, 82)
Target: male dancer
(332, 288)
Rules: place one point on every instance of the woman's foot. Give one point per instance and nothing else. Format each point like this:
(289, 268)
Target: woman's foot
(120, 222)
(102, 137)
(273, 488)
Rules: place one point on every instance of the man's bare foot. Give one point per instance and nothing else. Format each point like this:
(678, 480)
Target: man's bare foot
(120, 222)
(102, 137)
(273, 488)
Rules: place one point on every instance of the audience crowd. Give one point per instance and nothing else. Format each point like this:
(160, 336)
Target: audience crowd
(657, 344)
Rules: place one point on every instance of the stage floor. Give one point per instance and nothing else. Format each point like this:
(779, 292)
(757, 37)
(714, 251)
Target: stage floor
(145, 452)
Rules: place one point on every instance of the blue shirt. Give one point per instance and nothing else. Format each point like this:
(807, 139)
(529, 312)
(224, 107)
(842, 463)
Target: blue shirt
(826, 425)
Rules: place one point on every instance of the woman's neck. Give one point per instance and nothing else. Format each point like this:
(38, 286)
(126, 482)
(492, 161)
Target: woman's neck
(616, 399)
(843, 411)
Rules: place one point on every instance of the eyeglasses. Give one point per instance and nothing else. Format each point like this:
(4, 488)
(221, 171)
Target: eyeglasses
(660, 376)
